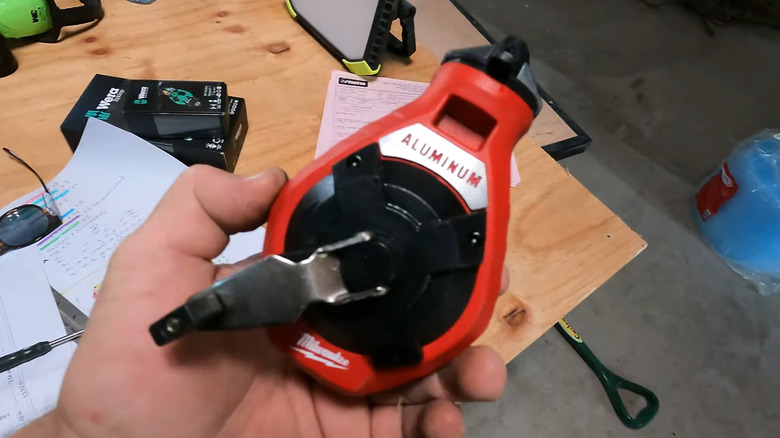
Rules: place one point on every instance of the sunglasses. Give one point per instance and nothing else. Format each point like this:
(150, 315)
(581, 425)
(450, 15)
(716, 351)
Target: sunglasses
(24, 225)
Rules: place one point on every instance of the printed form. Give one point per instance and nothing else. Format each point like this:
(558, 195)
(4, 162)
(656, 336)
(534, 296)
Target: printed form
(28, 315)
(353, 102)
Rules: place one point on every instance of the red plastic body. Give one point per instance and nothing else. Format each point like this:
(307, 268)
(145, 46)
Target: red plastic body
(471, 90)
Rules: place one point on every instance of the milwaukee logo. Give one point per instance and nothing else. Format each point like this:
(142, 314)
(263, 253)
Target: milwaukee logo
(353, 82)
(419, 144)
(442, 160)
(310, 347)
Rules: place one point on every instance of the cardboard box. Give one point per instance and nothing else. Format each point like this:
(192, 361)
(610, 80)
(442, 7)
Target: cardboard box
(103, 99)
(106, 98)
(221, 152)
(148, 108)
(176, 109)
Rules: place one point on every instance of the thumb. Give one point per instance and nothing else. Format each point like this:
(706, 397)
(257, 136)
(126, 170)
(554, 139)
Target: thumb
(206, 205)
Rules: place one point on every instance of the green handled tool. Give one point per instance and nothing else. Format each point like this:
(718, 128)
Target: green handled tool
(612, 382)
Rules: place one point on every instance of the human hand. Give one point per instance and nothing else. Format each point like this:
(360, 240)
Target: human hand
(225, 384)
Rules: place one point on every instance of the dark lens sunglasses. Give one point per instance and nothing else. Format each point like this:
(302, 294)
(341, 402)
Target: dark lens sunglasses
(24, 225)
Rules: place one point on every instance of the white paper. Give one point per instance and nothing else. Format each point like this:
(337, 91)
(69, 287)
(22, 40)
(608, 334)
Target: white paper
(106, 191)
(109, 187)
(242, 245)
(28, 315)
(353, 102)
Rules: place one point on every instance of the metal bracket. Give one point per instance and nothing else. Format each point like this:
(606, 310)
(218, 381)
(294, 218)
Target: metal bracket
(274, 290)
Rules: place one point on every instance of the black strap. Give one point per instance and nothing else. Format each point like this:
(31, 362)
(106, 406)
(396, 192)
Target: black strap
(8, 65)
(91, 11)
(407, 45)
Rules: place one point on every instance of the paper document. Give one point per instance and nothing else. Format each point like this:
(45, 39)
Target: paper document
(353, 102)
(106, 191)
(28, 315)
(109, 187)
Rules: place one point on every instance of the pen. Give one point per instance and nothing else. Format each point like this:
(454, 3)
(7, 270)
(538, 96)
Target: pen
(25, 355)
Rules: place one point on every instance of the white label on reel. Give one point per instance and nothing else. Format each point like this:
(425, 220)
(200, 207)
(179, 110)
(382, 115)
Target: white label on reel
(463, 171)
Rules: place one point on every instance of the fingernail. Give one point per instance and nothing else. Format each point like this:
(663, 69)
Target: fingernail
(260, 175)
(266, 173)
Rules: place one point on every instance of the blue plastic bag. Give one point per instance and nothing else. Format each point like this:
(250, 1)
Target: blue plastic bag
(738, 210)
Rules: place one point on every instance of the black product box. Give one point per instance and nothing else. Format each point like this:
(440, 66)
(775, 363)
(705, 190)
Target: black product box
(103, 99)
(113, 100)
(221, 152)
(175, 109)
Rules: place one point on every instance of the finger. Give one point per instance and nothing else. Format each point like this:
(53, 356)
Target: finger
(437, 419)
(386, 421)
(504, 280)
(226, 270)
(341, 415)
(478, 374)
(206, 205)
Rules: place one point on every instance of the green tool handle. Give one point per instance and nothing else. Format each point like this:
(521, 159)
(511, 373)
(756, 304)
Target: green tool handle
(612, 382)
(23, 356)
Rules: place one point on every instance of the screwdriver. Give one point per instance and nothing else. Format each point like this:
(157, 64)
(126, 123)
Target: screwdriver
(25, 355)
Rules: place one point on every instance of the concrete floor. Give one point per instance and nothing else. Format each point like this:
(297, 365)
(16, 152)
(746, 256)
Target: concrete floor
(664, 104)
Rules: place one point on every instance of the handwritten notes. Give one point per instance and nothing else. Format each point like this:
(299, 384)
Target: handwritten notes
(107, 190)
(110, 186)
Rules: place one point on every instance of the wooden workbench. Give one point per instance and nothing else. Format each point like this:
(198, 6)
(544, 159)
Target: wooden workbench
(563, 242)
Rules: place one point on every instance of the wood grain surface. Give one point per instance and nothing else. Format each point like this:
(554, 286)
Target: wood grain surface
(563, 242)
